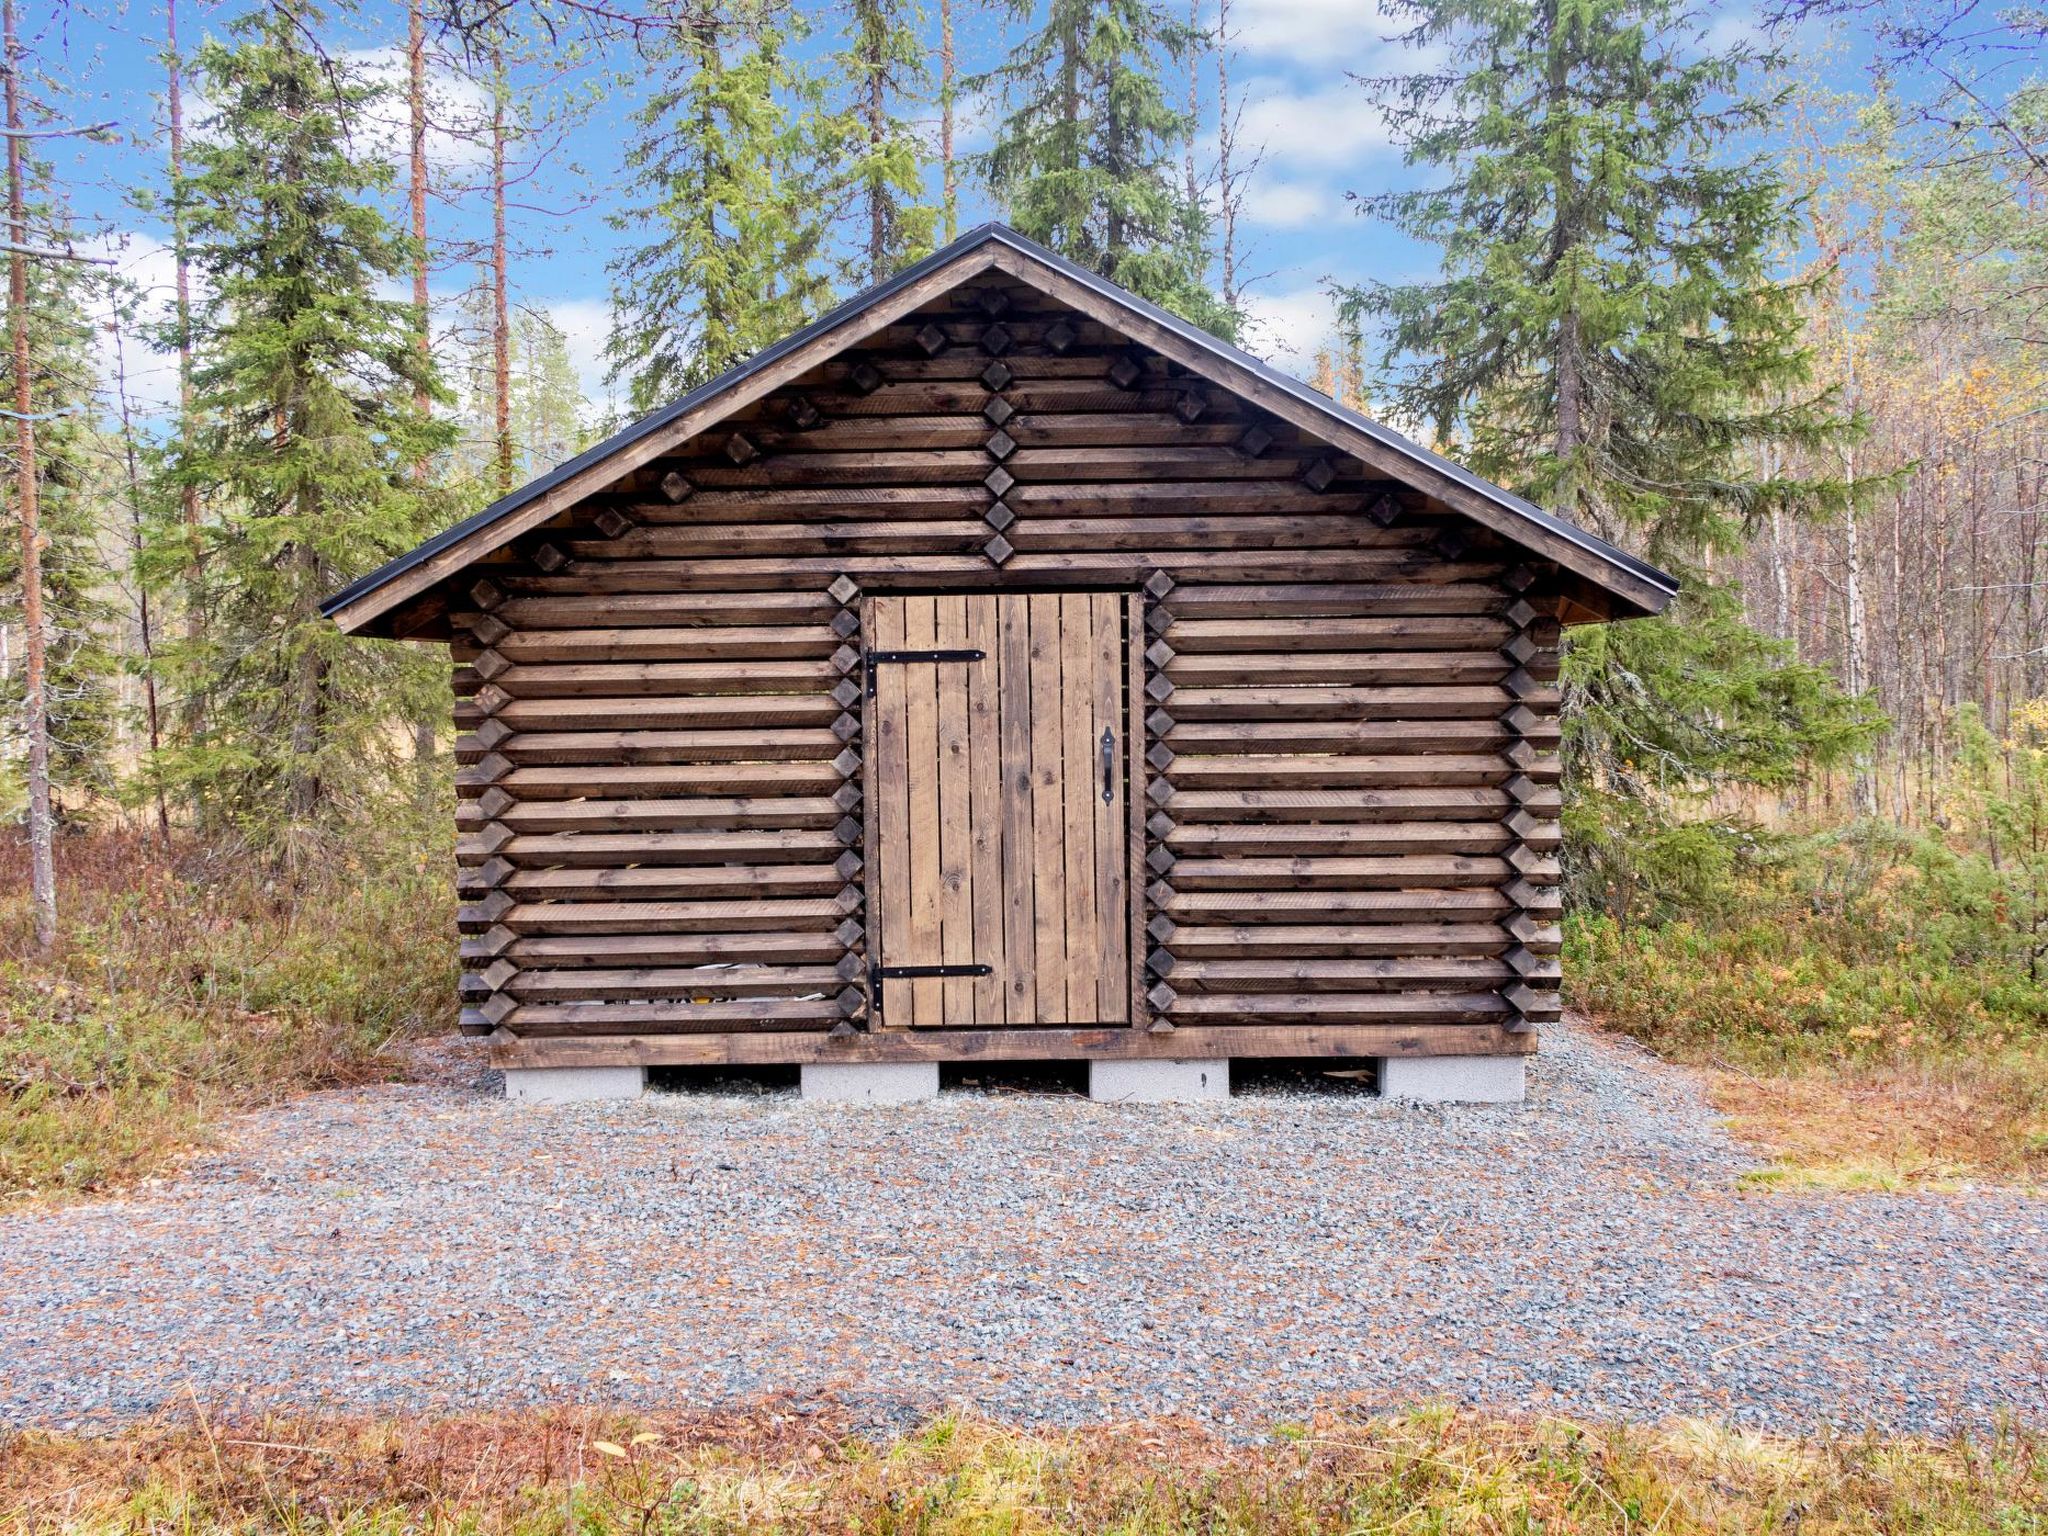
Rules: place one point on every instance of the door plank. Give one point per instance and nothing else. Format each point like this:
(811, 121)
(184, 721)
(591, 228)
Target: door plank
(1111, 910)
(1080, 799)
(889, 805)
(1020, 897)
(1048, 824)
(921, 684)
(951, 785)
(985, 810)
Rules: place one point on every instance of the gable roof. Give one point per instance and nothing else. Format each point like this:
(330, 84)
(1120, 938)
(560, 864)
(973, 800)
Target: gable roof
(1635, 584)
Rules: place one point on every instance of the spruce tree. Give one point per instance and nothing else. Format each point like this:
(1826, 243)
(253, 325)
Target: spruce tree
(312, 429)
(1607, 337)
(731, 210)
(1084, 160)
(884, 163)
(1607, 334)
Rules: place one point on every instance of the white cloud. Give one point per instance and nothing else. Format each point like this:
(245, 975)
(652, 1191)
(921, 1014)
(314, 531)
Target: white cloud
(458, 112)
(1290, 204)
(586, 323)
(1328, 128)
(1286, 328)
(1345, 34)
(146, 262)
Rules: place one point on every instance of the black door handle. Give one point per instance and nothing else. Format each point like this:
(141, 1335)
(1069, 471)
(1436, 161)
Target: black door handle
(1108, 765)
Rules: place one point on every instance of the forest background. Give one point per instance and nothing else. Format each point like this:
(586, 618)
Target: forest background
(1757, 294)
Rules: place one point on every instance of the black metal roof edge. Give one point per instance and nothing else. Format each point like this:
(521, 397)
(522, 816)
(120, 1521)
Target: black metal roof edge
(945, 255)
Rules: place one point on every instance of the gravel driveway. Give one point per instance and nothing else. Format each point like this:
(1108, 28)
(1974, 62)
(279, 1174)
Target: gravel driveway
(1039, 1257)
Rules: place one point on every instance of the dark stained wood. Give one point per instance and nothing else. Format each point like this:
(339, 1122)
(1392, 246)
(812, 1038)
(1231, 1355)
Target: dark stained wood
(687, 829)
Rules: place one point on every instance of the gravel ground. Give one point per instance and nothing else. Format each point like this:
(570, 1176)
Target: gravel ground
(1038, 1257)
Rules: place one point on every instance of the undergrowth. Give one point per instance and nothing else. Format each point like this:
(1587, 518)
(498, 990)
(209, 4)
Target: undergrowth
(598, 1474)
(1866, 1020)
(187, 985)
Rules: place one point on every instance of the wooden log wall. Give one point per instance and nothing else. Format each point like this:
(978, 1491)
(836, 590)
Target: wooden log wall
(1343, 711)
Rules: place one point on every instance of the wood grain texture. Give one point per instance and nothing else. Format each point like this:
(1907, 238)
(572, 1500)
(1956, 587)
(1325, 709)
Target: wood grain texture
(687, 827)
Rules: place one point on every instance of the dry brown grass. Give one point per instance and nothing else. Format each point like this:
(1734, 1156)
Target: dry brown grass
(188, 986)
(1900, 1125)
(598, 1473)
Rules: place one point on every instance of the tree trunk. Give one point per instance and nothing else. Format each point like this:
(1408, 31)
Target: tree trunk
(949, 174)
(501, 310)
(35, 704)
(181, 273)
(416, 105)
(144, 618)
(1570, 358)
(875, 111)
(1194, 102)
(1226, 131)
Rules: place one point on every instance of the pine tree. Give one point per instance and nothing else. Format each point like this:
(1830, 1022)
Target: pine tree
(731, 214)
(1608, 338)
(1084, 160)
(883, 63)
(311, 433)
(75, 459)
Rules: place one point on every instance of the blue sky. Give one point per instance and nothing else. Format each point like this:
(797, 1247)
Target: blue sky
(1317, 131)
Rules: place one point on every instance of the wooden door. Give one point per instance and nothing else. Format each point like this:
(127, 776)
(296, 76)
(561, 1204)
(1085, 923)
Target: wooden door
(996, 788)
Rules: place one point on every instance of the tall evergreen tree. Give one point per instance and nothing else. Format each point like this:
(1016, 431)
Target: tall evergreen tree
(1607, 337)
(731, 210)
(311, 433)
(73, 462)
(1084, 161)
(883, 64)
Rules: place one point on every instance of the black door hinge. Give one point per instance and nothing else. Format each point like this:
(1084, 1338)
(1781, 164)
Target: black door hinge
(875, 658)
(920, 972)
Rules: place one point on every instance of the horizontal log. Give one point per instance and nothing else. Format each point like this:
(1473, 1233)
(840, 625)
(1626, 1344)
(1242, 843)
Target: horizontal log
(581, 917)
(1337, 772)
(1227, 498)
(668, 610)
(1384, 974)
(1339, 668)
(682, 983)
(1308, 938)
(739, 812)
(937, 536)
(734, 642)
(1321, 703)
(711, 712)
(675, 881)
(1316, 1041)
(1417, 874)
(1263, 737)
(637, 780)
(1048, 527)
(1432, 804)
(1201, 601)
(635, 1018)
(702, 678)
(1318, 905)
(1338, 1007)
(1099, 567)
(1061, 463)
(613, 746)
(1241, 636)
(1299, 839)
(742, 845)
(798, 506)
(673, 949)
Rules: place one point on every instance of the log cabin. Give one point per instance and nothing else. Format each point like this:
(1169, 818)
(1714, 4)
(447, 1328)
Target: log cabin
(1001, 668)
